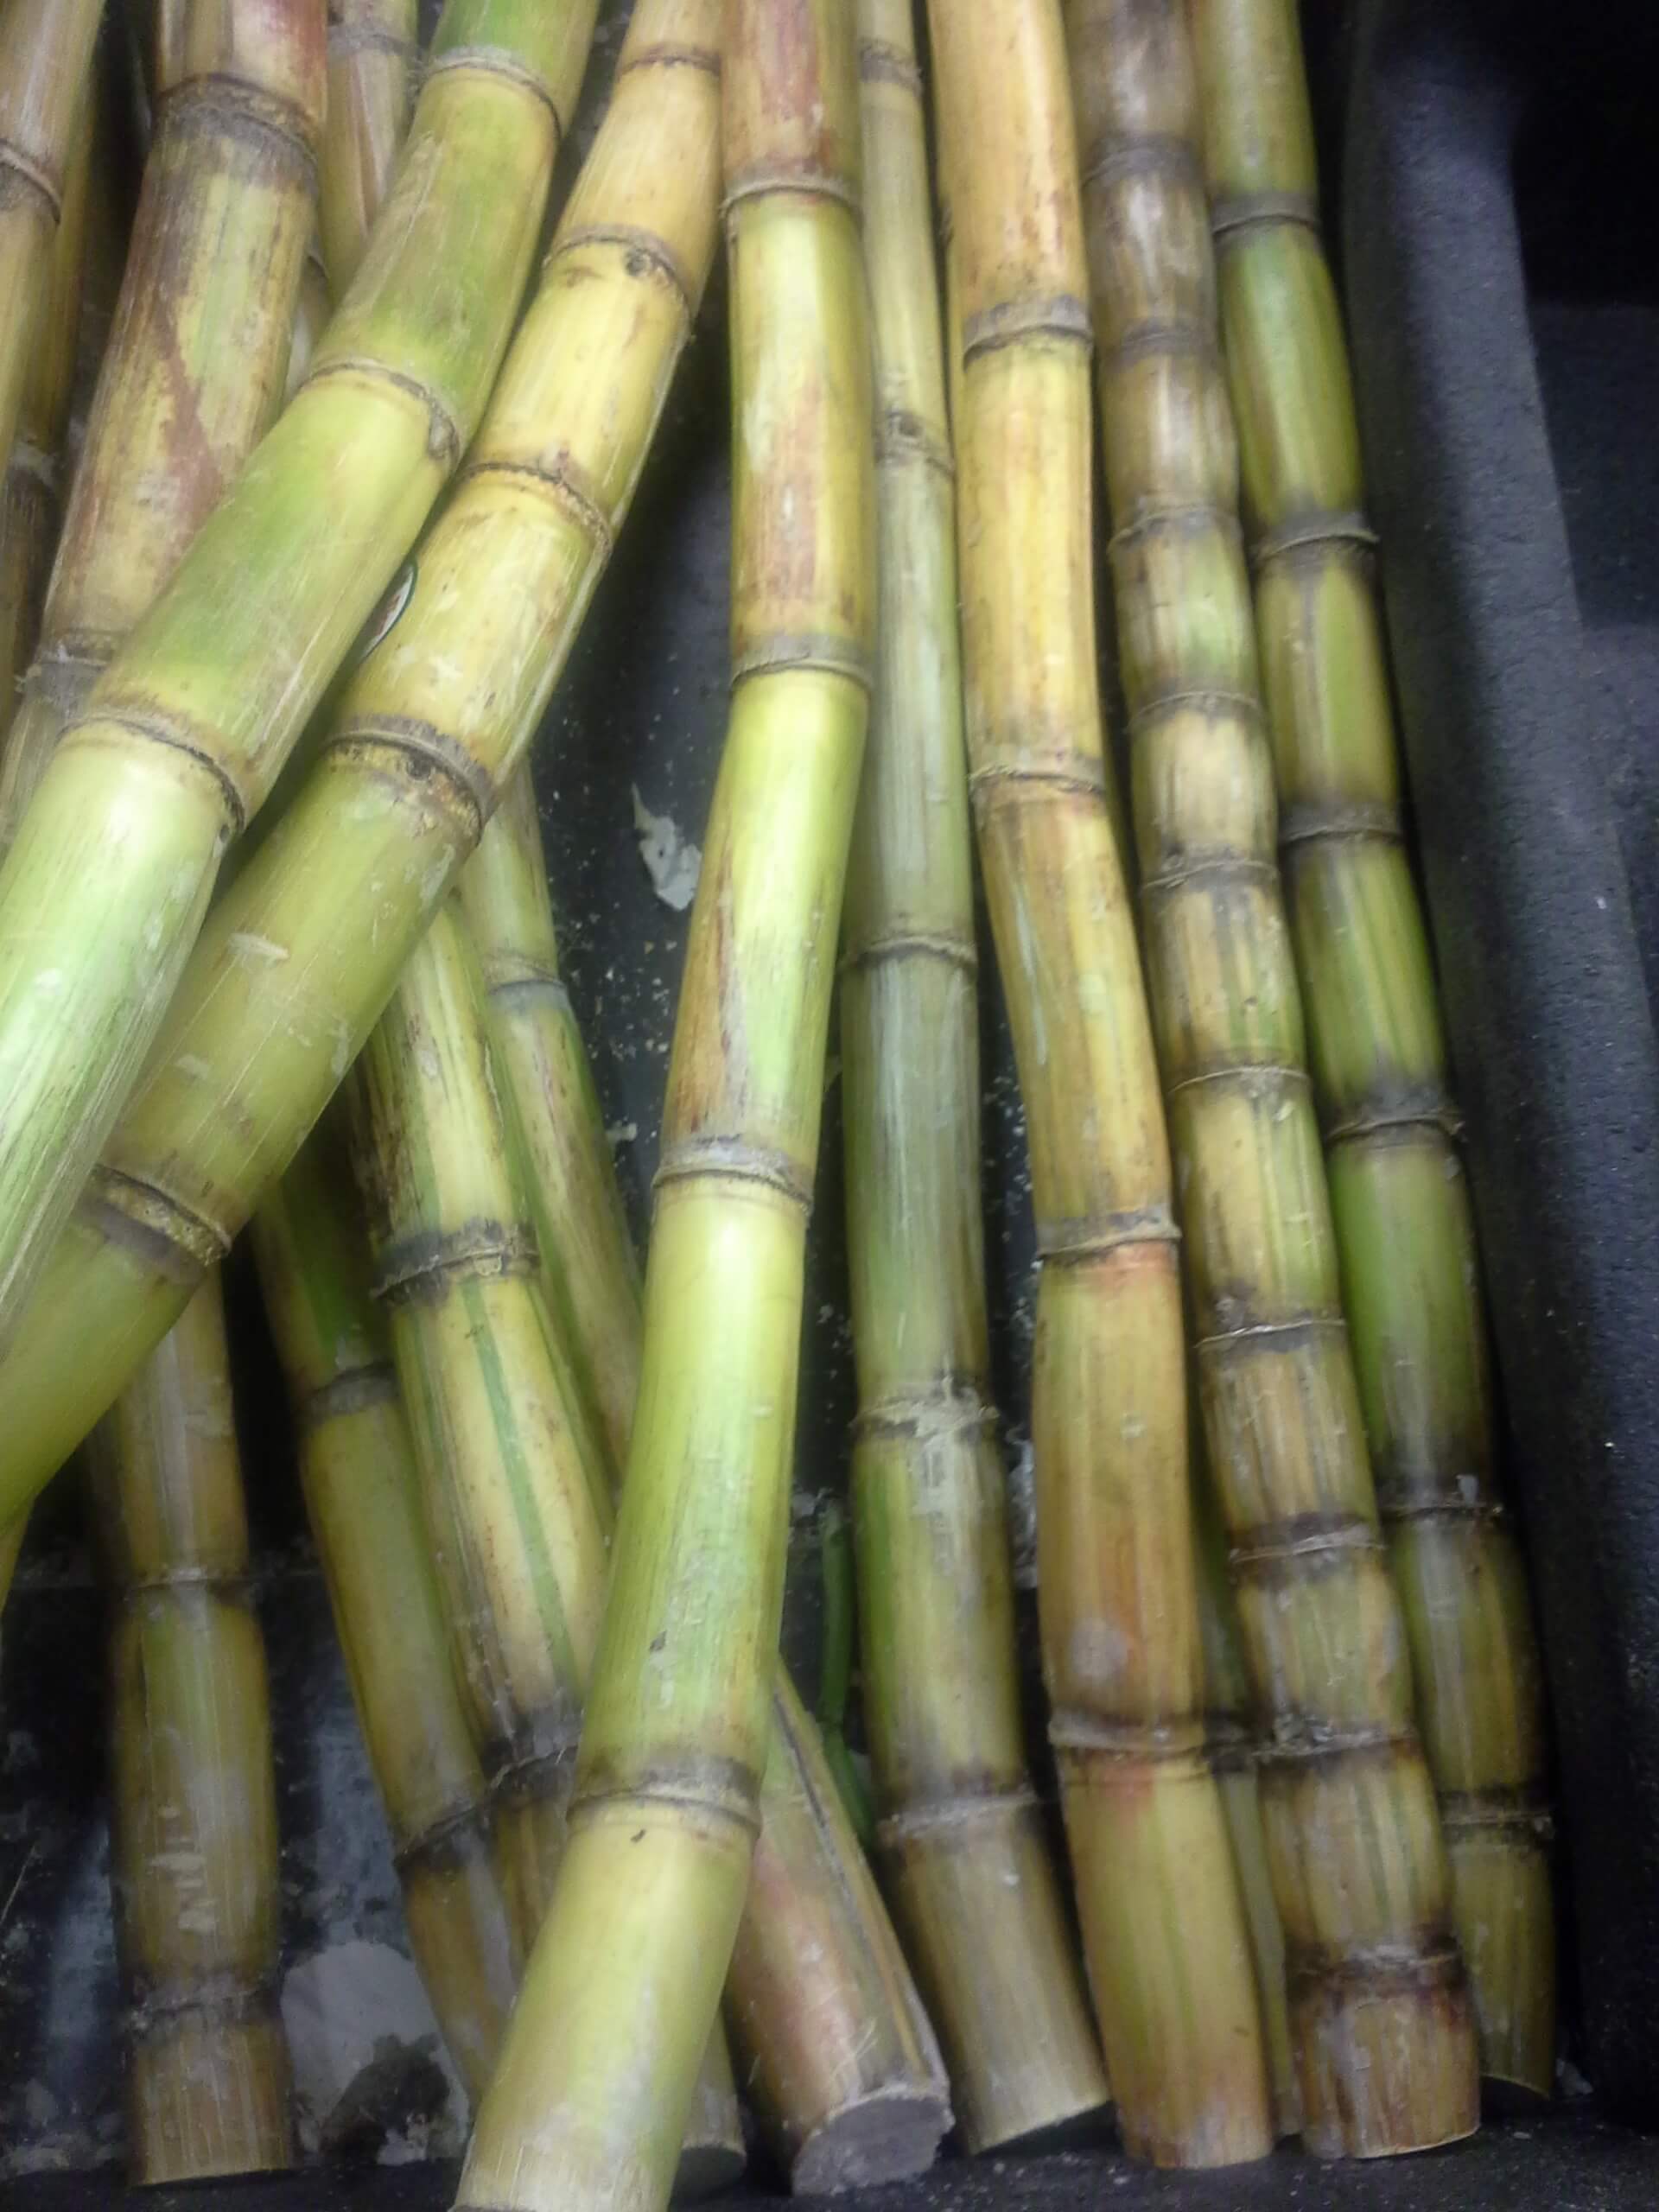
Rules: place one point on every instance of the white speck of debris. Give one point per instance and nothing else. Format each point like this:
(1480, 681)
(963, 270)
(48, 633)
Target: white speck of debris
(621, 1132)
(672, 863)
(339, 2007)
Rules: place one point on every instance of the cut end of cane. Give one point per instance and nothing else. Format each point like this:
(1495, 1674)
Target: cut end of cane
(888, 2135)
(1386, 2070)
(707, 2168)
(207, 2097)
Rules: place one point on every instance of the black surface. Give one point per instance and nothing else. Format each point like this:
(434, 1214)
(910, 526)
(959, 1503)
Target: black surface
(1503, 256)
(1562, 2164)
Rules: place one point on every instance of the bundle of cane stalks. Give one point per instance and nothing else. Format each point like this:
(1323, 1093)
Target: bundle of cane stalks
(312, 523)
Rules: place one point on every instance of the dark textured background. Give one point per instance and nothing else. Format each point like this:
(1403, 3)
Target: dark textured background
(1502, 237)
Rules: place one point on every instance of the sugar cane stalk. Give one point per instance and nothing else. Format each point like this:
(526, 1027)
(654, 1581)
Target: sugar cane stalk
(207, 2071)
(194, 1853)
(592, 1277)
(1383, 2049)
(189, 380)
(636, 1944)
(104, 892)
(192, 376)
(31, 498)
(359, 1480)
(305, 948)
(46, 52)
(963, 1837)
(840, 2060)
(842, 2066)
(373, 55)
(1410, 1270)
(1232, 1732)
(1168, 1953)
(513, 1497)
(518, 1510)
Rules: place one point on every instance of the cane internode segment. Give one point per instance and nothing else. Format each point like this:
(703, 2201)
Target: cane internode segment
(373, 57)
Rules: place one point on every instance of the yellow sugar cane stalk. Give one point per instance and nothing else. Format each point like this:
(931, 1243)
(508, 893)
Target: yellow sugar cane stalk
(840, 2061)
(515, 1499)
(103, 893)
(595, 2076)
(1232, 1733)
(31, 494)
(1165, 1933)
(46, 52)
(304, 948)
(192, 376)
(358, 1475)
(373, 55)
(518, 1509)
(592, 1277)
(1410, 1270)
(193, 1851)
(963, 1837)
(207, 2073)
(1380, 2016)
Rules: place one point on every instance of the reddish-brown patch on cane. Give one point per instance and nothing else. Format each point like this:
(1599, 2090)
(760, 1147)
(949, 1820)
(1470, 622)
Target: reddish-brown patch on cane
(781, 522)
(782, 110)
(281, 46)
